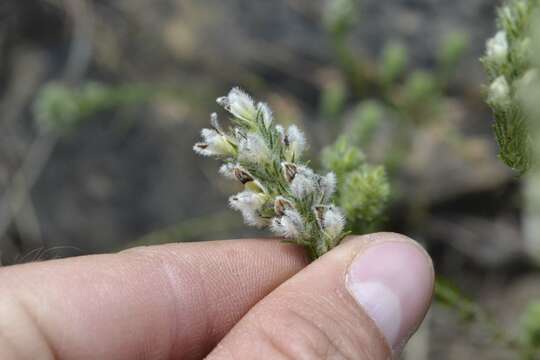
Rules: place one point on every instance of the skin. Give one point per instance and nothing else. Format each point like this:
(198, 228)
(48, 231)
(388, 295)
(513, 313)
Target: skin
(235, 299)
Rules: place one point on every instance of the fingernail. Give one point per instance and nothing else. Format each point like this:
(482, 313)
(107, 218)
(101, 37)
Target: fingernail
(393, 283)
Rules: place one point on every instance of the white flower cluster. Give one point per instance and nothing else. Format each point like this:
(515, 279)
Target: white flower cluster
(497, 47)
(511, 65)
(279, 192)
(497, 55)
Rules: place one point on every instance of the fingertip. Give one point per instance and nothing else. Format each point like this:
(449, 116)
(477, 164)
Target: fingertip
(391, 278)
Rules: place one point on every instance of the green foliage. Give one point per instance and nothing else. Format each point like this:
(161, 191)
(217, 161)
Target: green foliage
(60, 108)
(333, 97)
(363, 196)
(530, 330)
(56, 108)
(393, 62)
(340, 15)
(362, 191)
(367, 116)
(453, 47)
(341, 158)
(450, 296)
(420, 96)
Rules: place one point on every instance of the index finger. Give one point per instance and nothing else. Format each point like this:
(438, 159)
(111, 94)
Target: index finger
(171, 301)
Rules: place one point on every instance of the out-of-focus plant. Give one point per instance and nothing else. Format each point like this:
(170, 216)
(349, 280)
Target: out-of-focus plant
(525, 344)
(393, 62)
(414, 98)
(454, 45)
(529, 337)
(408, 97)
(512, 63)
(60, 108)
(362, 190)
(508, 65)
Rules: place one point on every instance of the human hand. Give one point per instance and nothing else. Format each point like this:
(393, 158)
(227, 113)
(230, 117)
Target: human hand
(241, 299)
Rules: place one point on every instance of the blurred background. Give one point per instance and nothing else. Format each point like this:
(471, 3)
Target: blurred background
(101, 103)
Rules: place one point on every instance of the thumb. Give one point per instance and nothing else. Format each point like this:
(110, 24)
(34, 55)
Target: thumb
(362, 300)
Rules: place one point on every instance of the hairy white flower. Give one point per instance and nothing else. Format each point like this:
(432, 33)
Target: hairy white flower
(330, 220)
(289, 171)
(499, 92)
(240, 104)
(290, 225)
(281, 131)
(497, 48)
(242, 175)
(304, 183)
(252, 148)
(247, 200)
(327, 185)
(214, 144)
(254, 218)
(281, 205)
(295, 142)
(266, 113)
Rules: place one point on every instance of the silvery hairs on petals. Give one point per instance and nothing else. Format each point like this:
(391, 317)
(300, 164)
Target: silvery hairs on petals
(497, 47)
(499, 92)
(289, 171)
(253, 218)
(281, 205)
(295, 142)
(214, 144)
(304, 183)
(281, 131)
(246, 200)
(327, 186)
(290, 225)
(253, 149)
(240, 104)
(242, 175)
(333, 222)
(330, 220)
(214, 121)
(266, 113)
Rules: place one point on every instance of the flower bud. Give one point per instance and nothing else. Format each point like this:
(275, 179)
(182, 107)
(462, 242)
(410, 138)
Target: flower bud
(304, 183)
(215, 123)
(214, 144)
(327, 186)
(242, 175)
(330, 220)
(252, 148)
(290, 225)
(499, 92)
(254, 218)
(247, 200)
(281, 205)
(295, 142)
(240, 104)
(256, 187)
(289, 171)
(265, 114)
(497, 48)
